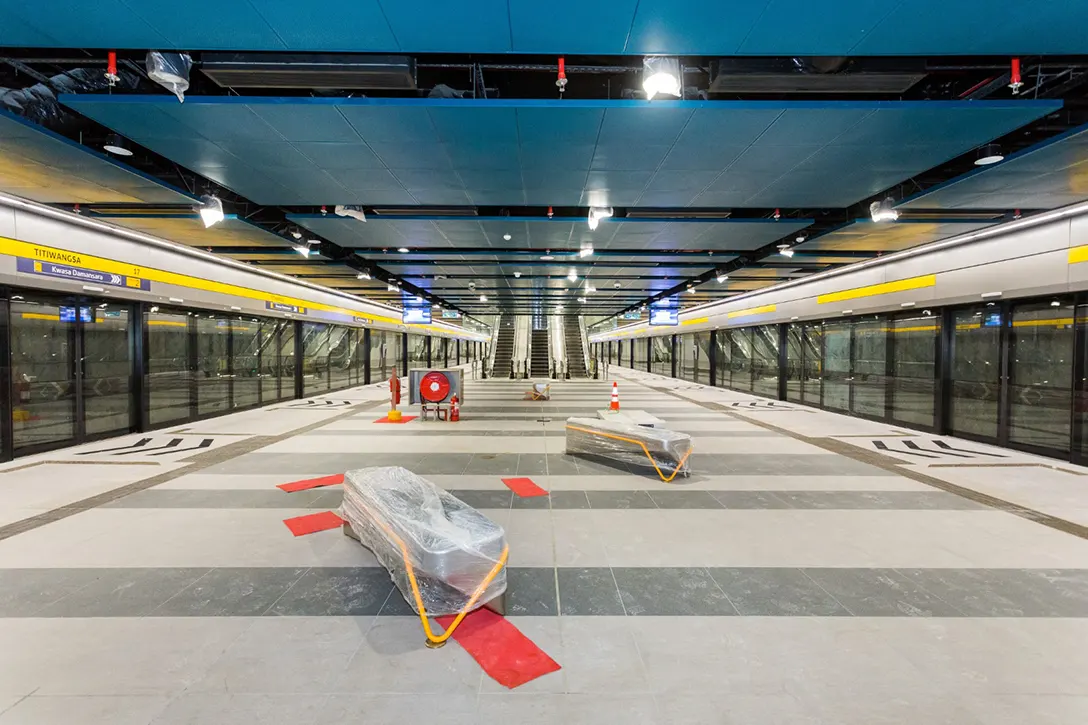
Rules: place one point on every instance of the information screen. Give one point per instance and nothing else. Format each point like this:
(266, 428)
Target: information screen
(417, 316)
(665, 313)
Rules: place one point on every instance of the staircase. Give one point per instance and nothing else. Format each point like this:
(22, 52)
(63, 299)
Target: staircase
(572, 336)
(504, 351)
(540, 361)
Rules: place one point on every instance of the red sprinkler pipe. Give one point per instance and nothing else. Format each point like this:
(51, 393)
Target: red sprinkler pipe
(1015, 80)
(561, 80)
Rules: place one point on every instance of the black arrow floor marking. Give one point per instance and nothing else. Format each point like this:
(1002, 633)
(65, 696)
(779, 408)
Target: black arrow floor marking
(203, 444)
(174, 443)
(942, 444)
(137, 444)
(915, 446)
(881, 445)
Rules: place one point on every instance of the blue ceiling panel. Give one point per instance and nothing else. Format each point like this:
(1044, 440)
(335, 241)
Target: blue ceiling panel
(1050, 174)
(562, 237)
(43, 166)
(601, 27)
(620, 153)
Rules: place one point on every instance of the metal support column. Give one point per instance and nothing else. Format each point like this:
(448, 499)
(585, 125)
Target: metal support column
(673, 343)
(299, 387)
(140, 399)
(404, 354)
(366, 355)
(783, 359)
(942, 408)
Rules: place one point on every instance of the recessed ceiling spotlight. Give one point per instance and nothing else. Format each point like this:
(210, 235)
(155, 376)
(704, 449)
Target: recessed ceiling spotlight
(989, 154)
(582, 299)
(722, 276)
(547, 256)
(586, 251)
(403, 250)
(596, 213)
(883, 211)
(296, 234)
(211, 210)
(517, 275)
(1055, 303)
(483, 298)
(616, 285)
(660, 76)
(691, 290)
(572, 275)
(507, 237)
(800, 238)
(116, 145)
(390, 288)
(303, 249)
(784, 250)
(363, 275)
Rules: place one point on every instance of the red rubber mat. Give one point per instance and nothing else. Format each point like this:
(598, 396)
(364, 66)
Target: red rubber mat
(505, 654)
(312, 483)
(311, 523)
(524, 487)
(404, 419)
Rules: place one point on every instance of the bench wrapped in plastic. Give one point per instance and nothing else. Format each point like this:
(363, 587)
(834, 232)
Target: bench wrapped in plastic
(663, 450)
(450, 546)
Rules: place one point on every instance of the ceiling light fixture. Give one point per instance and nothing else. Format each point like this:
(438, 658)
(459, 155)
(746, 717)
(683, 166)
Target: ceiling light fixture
(403, 250)
(586, 251)
(211, 210)
(483, 298)
(507, 237)
(302, 249)
(691, 290)
(547, 256)
(572, 275)
(116, 145)
(363, 275)
(296, 234)
(989, 154)
(517, 275)
(596, 213)
(883, 211)
(784, 250)
(154, 308)
(390, 288)
(660, 76)
(1055, 303)
(800, 238)
(722, 276)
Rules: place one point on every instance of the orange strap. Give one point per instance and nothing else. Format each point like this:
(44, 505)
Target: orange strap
(415, 585)
(679, 464)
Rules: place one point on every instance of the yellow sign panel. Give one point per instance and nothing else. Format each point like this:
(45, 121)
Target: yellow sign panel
(879, 289)
(695, 321)
(1078, 254)
(753, 311)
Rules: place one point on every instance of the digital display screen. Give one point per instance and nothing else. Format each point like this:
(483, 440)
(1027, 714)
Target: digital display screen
(417, 316)
(451, 315)
(992, 319)
(632, 315)
(68, 314)
(665, 312)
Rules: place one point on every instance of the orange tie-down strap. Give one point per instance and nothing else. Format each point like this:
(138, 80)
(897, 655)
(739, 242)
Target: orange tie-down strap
(440, 639)
(640, 444)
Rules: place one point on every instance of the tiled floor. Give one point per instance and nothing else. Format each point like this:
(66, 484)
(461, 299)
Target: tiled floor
(801, 575)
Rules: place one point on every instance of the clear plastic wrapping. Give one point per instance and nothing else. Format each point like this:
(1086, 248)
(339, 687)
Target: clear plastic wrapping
(170, 70)
(618, 441)
(451, 546)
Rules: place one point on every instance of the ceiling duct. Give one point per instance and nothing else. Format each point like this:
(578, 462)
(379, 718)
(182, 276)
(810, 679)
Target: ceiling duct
(814, 75)
(317, 71)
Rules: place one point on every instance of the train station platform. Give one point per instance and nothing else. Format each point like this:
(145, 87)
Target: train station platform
(815, 568)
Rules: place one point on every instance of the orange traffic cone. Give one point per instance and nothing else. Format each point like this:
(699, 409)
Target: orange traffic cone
(615, 404)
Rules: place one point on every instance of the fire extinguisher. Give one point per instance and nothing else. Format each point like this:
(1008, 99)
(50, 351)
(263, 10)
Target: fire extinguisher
(394, 389)
(455, 410)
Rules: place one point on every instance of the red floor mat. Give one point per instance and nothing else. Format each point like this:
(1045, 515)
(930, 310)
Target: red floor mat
(311, 483)
(505, 654)
(311, 523)
(404, 419)
(524, 487)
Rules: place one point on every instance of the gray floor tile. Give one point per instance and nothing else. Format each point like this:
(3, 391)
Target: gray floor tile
(586, 592)
(327, 499)
(531, 502)
(1069, 587)
(673, 499)
(124, 593)
(484, 499)
(498, 464)
(335, 592)
(669, 592)
(878, 500)
(445, 463)
(994, 592)
(89, 710)
(398, 710)
(532, 464)
(25, 592)
(598, 465)
(880, 593)
(776, 592)
(530, 591)
(396, 605)
(620, 500)
(569, 500)
(216, 499)
(231, 593)
(750, 500)
(192, 708)
(562, 465)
